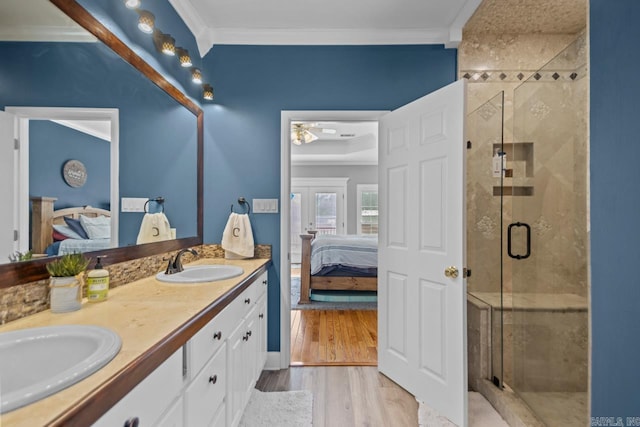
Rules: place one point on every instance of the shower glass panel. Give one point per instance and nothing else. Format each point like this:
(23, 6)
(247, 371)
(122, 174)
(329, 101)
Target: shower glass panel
(484, 223)
(548, 236)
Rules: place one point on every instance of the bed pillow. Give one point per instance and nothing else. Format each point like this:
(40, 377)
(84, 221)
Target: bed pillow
(66, 231)
(57, 236)
(76, 226)
(96, 228)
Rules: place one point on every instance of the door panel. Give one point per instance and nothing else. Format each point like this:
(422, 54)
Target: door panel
(422, 312)
(8, 192)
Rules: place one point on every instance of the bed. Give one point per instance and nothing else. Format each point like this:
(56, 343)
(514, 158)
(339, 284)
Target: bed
(44, 218)
(338, 262)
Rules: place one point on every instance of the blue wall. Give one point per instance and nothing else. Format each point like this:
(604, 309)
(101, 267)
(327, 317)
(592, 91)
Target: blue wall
(157, 135)
(253, 84)
(615, 203)
(50, 146)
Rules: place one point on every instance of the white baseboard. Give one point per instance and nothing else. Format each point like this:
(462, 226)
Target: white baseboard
(273, 361)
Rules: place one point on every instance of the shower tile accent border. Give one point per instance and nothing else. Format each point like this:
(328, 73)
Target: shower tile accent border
(24, 300)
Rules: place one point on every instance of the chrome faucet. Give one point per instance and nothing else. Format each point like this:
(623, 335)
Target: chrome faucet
(175, 264)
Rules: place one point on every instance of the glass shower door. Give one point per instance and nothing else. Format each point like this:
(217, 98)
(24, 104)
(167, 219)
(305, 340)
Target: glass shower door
(485, 175)
(548, 241)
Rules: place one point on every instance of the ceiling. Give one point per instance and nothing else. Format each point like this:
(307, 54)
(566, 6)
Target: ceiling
(326, 22)
(38, 20)
(353, 143)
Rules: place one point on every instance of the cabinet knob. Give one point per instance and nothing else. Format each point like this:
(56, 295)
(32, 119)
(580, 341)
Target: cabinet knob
(132, 422)
(264, 282)
(213, 379)
(261, 315)
(247, 301)
(217, 335)
(248, 333)
(245, 337)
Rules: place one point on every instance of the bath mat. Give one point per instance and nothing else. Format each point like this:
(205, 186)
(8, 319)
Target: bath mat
(281, 408)
(326, 305)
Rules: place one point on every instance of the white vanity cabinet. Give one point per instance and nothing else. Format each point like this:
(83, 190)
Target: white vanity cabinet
(209, 380)
(233, 347)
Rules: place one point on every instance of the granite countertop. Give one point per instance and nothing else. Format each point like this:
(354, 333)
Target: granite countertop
(144, 313)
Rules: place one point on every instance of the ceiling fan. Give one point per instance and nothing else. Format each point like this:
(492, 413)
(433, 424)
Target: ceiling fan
(303, 132)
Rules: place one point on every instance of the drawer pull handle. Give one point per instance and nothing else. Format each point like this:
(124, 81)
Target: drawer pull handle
(261, 315)
(132, 422)
(213, 379)
(247, 301)
(217, 335)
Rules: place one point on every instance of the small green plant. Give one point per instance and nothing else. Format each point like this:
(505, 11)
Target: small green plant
(19, 256)
(68, 265)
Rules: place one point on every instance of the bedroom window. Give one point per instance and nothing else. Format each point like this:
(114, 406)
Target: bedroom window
(367, 208)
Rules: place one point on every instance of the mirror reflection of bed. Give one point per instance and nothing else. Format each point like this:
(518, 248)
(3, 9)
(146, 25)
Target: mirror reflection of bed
(68, 230)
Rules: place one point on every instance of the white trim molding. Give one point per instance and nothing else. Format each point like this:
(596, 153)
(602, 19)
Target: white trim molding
(286, 117)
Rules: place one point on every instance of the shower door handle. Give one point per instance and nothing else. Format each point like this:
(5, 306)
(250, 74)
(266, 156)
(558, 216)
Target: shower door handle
(509, 231)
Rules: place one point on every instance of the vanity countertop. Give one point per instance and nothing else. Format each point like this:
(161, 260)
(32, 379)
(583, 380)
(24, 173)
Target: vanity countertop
(153, 320)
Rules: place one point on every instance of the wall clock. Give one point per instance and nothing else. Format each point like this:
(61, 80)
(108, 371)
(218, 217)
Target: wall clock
(74, 173)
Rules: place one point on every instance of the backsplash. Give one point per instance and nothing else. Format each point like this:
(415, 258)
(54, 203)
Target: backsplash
(30, 298)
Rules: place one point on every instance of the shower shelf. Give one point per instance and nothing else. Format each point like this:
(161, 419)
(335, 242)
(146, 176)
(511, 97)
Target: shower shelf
(520, 163)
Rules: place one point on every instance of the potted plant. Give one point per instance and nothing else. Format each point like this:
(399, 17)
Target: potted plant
(66, 282)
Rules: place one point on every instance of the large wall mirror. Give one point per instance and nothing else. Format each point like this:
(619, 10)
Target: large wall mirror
(93, 128)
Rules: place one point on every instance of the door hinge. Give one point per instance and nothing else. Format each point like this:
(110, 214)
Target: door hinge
(16, 144)
(16, 235)
(468, 145)
(466, 272)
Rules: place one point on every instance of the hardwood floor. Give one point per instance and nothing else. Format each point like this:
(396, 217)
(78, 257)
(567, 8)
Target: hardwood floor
(347, 396)
(334, 337)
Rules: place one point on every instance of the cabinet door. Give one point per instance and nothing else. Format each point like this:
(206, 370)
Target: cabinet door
(261, 312)
(206, 392)
(174, 416)
(149, 399)
(236, 374)
(251, 352)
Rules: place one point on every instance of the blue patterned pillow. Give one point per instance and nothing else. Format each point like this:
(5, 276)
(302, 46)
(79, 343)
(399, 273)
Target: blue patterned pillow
(75, 225)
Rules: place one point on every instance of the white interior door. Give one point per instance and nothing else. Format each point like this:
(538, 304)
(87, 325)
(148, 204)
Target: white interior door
(422, 311)
(8, 192)
(299, 221)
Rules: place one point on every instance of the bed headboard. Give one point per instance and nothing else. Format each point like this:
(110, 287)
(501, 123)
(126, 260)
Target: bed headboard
(43, 217)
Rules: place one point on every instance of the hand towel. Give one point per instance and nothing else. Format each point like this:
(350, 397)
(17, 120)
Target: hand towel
(154, 228)
(237, 238)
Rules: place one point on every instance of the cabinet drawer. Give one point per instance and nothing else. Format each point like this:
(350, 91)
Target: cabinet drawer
(150, 398)
(206, 391)
(210, 338)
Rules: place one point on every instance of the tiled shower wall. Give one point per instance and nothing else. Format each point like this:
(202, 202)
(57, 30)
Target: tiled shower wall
(492, 63)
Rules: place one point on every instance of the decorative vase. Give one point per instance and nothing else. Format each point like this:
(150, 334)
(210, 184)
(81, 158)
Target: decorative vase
(66, 293)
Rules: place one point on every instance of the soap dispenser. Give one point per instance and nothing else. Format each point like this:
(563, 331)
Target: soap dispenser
(97, 283)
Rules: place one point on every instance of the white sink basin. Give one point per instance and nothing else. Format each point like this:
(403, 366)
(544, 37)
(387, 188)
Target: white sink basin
(39, 362)
(201, 274)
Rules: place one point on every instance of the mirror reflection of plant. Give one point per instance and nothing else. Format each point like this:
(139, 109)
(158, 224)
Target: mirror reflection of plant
(19, 256)
(68, 265)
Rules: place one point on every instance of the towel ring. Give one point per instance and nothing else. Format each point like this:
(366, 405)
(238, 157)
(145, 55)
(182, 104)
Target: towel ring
(158, 200)
(243, 201)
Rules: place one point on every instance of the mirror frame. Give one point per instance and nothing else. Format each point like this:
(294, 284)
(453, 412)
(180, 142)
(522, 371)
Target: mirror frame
(17, 273)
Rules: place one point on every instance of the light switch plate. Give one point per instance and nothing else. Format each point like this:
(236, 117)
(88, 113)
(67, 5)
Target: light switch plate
(133, 204)
(265, 206)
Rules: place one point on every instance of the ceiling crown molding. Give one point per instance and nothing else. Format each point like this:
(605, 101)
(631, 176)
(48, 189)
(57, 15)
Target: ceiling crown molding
(39, 33)
(206, 36)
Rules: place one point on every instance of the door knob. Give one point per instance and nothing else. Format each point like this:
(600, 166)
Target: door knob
(451, 272)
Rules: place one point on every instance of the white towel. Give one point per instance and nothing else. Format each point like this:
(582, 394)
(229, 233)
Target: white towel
(237, 238)
(154, 228)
